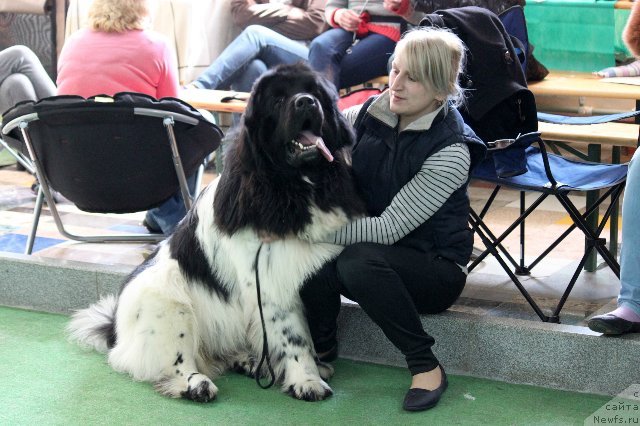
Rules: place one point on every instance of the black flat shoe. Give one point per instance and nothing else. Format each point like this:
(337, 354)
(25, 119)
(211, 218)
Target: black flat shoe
(612, 325)
(331, 355)
(418, 399)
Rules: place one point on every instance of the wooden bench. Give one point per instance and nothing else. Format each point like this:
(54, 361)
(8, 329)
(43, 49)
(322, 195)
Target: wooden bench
(211, 100)
(605, 134)
(581, 84)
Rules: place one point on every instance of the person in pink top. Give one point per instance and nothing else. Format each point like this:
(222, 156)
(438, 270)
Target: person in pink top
(117, 54)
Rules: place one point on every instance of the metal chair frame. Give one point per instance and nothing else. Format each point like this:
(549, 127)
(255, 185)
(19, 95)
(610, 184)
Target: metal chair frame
(515, 268)
(34, 166)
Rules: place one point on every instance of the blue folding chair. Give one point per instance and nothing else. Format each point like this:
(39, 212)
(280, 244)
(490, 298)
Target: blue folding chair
(518, 158)
(557, 176)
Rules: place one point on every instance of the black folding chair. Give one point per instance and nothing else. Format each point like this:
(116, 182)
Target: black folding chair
(120, 154)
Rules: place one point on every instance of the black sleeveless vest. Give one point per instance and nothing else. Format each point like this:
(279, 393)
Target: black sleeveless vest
(385, 160)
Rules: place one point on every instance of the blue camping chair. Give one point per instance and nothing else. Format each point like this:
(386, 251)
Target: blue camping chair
(518, 156)
(556, 176)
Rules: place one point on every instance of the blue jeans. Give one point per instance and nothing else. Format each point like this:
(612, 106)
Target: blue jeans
(367, 60)
(630, 252)
(166, 216)
(254, 51)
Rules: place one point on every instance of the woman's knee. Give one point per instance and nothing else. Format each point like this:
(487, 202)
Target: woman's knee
(257, 34)
(321, 49)
(19, 53)
(16, 88)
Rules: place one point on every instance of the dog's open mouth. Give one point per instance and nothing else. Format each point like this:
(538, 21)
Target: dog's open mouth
(307, 143)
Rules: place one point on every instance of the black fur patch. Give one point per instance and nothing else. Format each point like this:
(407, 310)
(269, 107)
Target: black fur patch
(260, 188)
(293, 338)
(186, 249)
(179, 359)
(109, 331)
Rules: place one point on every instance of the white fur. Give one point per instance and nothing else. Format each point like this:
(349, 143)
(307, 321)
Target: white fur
(179, 335)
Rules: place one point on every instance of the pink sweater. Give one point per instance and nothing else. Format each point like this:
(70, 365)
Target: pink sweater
(96, 62)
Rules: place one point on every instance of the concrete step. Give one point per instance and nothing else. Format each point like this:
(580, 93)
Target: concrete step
(513, 350)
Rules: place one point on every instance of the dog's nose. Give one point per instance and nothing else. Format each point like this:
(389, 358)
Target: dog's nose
(304, 101)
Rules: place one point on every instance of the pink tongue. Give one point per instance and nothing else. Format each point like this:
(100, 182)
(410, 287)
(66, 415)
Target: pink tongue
(312, 139)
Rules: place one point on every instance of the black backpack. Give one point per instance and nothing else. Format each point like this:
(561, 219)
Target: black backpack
(498, 103)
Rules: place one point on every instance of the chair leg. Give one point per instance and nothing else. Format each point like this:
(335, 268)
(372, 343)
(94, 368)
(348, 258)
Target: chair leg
(522, 269)
(494, 251)
(37, 210)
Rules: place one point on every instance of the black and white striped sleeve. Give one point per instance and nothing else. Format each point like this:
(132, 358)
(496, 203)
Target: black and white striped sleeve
(440, 175)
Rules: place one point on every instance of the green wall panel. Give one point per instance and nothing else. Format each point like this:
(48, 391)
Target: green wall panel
(576, 35)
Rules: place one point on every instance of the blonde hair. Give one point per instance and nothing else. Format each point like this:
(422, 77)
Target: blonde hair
(434, 57)
(117, 16)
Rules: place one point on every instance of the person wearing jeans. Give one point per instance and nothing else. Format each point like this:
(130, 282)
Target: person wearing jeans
(255, 50)
(626, 318)
(359, 45)
(274, 32)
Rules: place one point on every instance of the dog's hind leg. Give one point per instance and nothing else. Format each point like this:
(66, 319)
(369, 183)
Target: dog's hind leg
(158, 341)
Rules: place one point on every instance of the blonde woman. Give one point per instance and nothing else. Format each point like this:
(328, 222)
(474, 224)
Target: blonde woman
(411, 161)
(116, 54)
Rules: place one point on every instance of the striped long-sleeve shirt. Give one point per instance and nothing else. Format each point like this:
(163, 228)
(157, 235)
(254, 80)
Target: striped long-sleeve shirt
(440, 175)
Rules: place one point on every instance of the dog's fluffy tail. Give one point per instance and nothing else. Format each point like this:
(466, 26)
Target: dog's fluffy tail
(95, 325)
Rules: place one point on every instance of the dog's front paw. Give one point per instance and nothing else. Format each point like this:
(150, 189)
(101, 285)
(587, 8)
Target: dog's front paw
(310, 390)
(200, 388)
(325, 369)
(245, 365)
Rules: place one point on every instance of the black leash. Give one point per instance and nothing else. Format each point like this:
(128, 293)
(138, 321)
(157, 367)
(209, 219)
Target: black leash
(265, 345)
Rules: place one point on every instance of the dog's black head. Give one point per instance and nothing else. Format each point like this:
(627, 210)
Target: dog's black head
(288, 155)
(292, 119)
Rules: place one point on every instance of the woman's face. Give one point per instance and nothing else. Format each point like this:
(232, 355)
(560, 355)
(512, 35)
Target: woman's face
(409, 98)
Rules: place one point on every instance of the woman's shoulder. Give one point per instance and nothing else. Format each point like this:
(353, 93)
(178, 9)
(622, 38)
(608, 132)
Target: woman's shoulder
(151, 35)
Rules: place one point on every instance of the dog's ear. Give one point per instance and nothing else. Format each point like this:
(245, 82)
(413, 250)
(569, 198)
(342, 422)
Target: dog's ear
(344, 130)
(346, 134)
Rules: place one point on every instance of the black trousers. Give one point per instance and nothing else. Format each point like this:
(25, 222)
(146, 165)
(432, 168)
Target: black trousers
(393, 285)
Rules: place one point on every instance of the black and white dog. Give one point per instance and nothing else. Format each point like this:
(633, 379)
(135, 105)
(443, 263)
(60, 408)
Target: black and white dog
(190, 311)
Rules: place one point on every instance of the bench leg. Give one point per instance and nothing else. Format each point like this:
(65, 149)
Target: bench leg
(615, 212)
(594, 154)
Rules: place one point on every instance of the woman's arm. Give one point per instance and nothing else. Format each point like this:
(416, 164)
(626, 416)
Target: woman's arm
(440, 175)
(291, 20)
(303, 24)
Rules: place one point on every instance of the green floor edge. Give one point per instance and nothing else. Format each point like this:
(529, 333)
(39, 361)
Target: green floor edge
(44, 379)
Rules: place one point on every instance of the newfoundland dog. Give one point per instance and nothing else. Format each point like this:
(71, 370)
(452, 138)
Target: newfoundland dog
(229, 276)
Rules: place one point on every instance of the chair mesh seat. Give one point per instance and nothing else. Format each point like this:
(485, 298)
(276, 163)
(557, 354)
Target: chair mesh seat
(120, 154)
